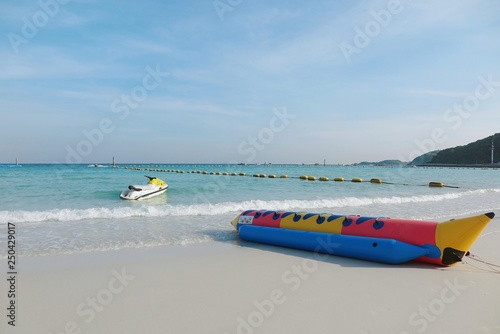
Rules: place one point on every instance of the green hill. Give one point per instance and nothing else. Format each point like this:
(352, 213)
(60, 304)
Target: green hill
(478, 152)
(424, 158)
(383, 163)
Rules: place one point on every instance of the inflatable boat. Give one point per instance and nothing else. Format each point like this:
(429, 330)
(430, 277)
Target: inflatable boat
(380, 239)
(154, 187)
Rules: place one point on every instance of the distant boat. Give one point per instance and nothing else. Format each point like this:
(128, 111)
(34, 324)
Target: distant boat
(16, 165)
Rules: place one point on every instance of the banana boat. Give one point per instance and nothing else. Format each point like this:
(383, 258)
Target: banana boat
(379, 239)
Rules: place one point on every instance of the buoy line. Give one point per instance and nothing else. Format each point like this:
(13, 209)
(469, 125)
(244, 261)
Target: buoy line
(432, 184)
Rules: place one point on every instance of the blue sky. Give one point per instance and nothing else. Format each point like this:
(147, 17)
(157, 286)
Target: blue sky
(245, 81)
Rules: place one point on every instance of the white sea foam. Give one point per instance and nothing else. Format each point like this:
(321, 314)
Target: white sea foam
(61, 215)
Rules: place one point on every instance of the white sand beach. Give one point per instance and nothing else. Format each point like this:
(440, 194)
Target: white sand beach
(238, 287)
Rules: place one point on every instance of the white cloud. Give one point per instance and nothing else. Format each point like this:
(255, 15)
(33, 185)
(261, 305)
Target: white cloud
(173, 105)
(45, 62)
(431, 92)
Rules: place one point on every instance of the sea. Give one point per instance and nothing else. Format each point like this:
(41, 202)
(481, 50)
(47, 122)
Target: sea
(65, 209)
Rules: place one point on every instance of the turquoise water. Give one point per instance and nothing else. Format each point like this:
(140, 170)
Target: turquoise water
(62, 209)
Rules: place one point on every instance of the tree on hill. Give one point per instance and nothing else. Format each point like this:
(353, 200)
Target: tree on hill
(478, 152)
(424, 158)
(383, 162)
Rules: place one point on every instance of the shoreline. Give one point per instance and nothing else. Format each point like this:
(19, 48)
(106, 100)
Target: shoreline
(241, 287)
(439, 165)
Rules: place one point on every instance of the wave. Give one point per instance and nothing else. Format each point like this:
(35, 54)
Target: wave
(207, 209)
(97, 165)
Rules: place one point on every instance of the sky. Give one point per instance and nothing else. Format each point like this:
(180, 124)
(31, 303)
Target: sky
(227, 81)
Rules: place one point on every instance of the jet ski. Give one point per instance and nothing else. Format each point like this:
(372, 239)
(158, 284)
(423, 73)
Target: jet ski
(154, 187)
